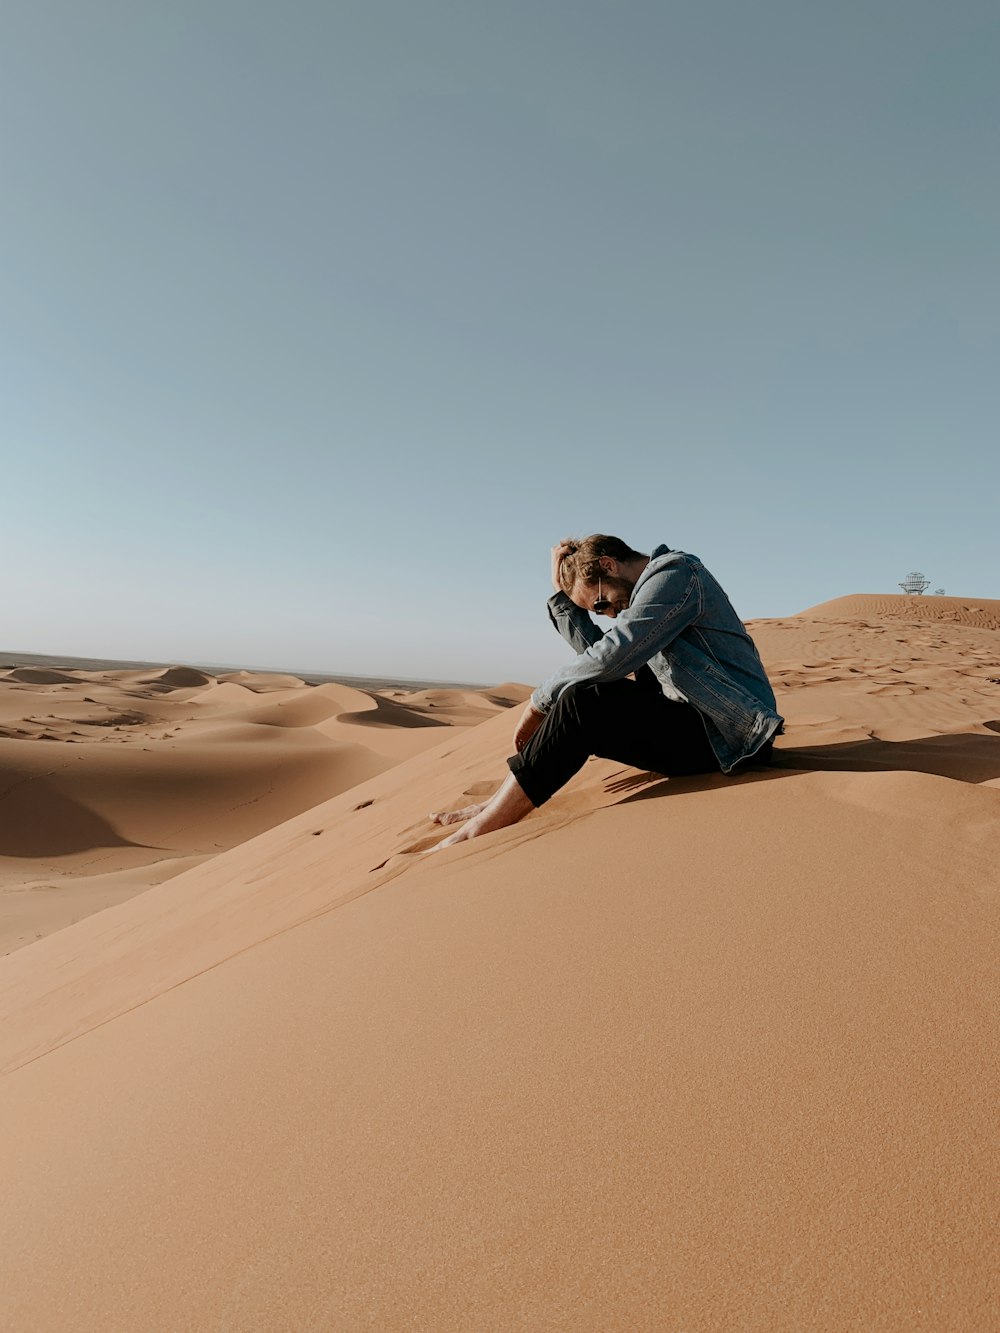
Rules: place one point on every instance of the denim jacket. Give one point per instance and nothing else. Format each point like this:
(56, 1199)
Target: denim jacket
(681, 622)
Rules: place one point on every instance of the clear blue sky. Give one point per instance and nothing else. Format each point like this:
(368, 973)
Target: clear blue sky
(320, 321)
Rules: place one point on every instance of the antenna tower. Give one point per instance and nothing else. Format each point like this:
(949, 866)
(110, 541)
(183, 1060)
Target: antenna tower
(915, 583)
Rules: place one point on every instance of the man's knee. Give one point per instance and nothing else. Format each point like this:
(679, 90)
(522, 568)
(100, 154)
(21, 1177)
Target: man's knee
(582, 698)
(592, 709)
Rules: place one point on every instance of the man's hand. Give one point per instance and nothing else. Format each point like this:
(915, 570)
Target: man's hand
(559, 553)
(531, 719)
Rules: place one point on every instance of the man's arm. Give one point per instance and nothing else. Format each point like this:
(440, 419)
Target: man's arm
(574, 624)
(666, 604)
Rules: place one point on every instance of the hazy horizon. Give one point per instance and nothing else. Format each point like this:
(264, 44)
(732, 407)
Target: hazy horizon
(19, 657)
(74, 662)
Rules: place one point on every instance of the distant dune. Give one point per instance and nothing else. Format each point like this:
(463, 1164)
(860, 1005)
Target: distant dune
(219, 672)
(975, 611)
(695, 1054)
(159, 769)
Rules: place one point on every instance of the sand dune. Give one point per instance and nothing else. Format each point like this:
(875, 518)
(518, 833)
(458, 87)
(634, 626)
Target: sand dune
(227, 694)
(159, 769)
(177, 678)
(38, 676)
(976, 611)
(262, 682)
(864, 676)
(471, 706)
(694, 1054)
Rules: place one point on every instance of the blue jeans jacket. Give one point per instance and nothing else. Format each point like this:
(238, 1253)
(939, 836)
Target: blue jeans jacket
(681, 622)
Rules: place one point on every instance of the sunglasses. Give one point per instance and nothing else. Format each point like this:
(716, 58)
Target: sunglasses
(602, 604)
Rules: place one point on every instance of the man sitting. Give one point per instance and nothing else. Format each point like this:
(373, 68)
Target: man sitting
(700, 700)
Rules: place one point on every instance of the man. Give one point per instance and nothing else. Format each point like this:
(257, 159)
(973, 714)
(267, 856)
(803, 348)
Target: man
(700, 701)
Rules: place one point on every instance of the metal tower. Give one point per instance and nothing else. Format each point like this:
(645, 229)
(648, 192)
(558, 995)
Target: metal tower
(915, 583)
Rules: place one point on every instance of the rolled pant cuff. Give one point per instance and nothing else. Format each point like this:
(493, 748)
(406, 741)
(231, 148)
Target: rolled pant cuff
(523, 776)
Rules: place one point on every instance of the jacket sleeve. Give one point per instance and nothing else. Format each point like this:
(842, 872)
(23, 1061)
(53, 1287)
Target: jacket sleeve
(574, 624)
(666, 604)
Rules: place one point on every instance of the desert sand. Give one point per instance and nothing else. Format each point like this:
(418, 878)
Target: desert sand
(698, 1054)
(161, 769)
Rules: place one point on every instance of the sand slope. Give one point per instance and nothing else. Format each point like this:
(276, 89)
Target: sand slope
(113, 781)
(864, 676)
(702, 1054)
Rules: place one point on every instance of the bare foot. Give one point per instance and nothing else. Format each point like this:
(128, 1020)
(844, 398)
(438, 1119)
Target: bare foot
(460, 835)
(508, 806)
(457, 816)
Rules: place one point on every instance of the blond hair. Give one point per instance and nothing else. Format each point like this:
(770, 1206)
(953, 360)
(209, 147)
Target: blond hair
(582, 563)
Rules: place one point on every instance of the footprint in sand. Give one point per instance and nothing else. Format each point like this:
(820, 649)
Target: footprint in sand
(414, 849)
(421, 845)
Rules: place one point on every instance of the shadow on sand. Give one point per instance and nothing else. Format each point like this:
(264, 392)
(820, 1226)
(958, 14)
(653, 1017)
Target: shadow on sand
(965, 757)
(390, 713)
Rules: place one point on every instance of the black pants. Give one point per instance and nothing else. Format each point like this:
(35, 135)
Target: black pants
(631, 721)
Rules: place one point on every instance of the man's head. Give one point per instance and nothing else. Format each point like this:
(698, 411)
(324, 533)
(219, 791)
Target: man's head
(599, 573)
